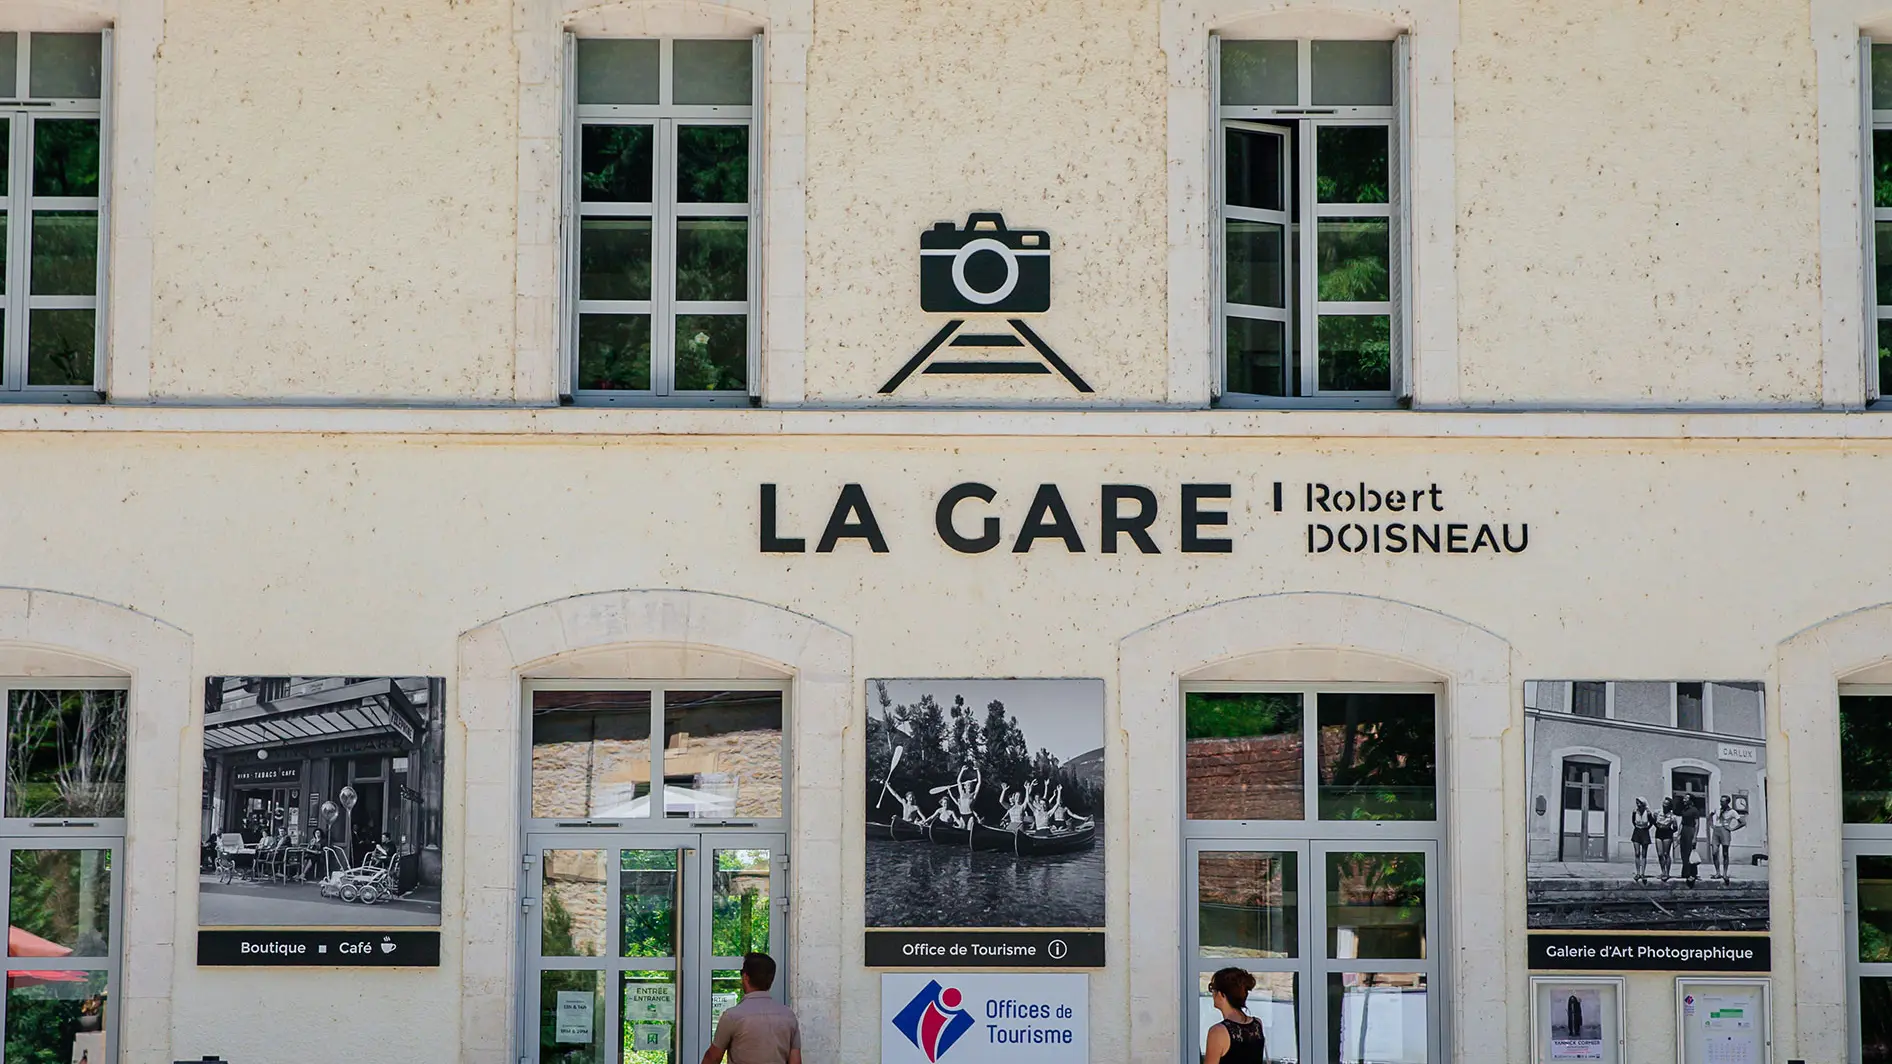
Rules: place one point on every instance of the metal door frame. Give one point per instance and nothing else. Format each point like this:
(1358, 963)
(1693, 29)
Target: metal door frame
(1313, 966)
(692, 960)
(114, 923)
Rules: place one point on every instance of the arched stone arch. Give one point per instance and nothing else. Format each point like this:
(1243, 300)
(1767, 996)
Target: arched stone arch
(45, 631)
(1484, 859)
(1809, 892)
(782, 123)
(596, 635)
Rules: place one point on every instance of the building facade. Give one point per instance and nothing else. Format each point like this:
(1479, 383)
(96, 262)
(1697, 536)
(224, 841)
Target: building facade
(1437, 423)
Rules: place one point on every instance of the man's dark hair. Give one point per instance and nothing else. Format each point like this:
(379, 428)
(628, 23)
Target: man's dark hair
(760, 968)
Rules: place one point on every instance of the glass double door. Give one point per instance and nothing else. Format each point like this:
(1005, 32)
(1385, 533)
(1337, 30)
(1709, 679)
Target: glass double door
(1339, 936)
(62, 949)
(634, 944)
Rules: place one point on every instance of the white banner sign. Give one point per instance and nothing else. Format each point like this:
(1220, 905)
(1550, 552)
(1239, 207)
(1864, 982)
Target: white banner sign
(980, 1018)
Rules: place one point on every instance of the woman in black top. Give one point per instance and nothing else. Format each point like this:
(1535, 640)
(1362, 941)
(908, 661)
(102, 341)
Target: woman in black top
(1238, 1038)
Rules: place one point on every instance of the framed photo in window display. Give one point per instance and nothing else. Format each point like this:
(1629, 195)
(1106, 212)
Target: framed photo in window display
(1576, 1019)
(1647, 806)
(322, 801)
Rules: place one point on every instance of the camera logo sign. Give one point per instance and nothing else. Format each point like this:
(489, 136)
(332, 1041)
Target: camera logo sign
(984, 267)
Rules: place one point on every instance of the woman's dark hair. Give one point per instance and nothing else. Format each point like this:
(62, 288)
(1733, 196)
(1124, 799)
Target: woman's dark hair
(1233, 984)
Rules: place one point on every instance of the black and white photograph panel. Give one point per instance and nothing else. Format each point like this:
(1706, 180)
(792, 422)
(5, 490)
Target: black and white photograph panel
(1648, 805)
(985, 803)
(322, 801)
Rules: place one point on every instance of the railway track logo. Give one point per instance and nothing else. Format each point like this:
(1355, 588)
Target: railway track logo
(933, 1020)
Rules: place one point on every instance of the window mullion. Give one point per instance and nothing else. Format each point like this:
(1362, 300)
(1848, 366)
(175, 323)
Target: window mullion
(1309, 204)
(663, 329)
(19, 230)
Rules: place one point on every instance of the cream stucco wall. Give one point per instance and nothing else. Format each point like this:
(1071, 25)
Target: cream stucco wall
(1647, 559)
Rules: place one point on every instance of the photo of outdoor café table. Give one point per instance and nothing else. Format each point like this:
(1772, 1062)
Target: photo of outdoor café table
(322, 799)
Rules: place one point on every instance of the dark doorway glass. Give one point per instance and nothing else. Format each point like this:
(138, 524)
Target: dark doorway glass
(1378, 757)
(1865, 759)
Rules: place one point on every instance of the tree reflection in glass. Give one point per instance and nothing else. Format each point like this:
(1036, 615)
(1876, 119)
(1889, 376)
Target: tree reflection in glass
(1243, 758)
(65, 753)
(1378, 757)
(1376, 905)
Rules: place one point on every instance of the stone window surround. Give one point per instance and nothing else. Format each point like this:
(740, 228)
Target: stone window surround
(48, 633)
(1845, 279)
(1432, 202)
(1336, 637)
(655, 634)
(539, 27)
(137, 30)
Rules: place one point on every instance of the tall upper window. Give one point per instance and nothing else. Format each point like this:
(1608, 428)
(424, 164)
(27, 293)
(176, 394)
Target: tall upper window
(1309, 247)
(52, 184)
(662, 260)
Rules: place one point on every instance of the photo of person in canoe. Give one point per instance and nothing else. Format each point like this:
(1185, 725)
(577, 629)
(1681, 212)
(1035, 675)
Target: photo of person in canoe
(987, 794)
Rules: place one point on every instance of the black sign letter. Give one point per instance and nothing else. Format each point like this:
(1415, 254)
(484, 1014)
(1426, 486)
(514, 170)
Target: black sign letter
(772, 543)
(943, 519)
(1137, 527)
(1048, 503)
(852, 503)
(1193, 519)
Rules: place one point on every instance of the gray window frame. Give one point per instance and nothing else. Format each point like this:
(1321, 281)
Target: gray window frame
(1310, 837)
(664, 211)
(22, 112)
(1303, 314)
(104, 833)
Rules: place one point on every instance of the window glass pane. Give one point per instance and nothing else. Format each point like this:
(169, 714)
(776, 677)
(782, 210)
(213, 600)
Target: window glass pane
(725, 991)
(722, 749)
(1271, 1001)
(591, 754)
(60, 903)
(1377, 757)
(1875, 908)
(56, 1016)
(1688, 707)
(739, 903)
(1875, 1018)
(1352, 255)
(6, 155)
(1260, 73)
(64, 66)
(1356, 353)
(647, 902)
(1882, 77)
(713, 259)
(1376, 1018)
(1881, 166)
(9, 66)
(1255, 176)
(66, 157)
(617, 164)
(713, 72)
(59, 348)
(1882, 253)
(712, 164)
(1353, 73)
(1589, 699)
(1350, 164)
(1244, 760)
(1255, 264)
(617, 71)
(3, 239)
(614, 352)
(572, 1018)
(614, 258)
(1255, 357)
(1885, 350)
(1865, 759)
(573, 905)
(65, 753)
(1248, 903)
(650, 1018)
(1376, 906)
(712, 353)
(65, 253)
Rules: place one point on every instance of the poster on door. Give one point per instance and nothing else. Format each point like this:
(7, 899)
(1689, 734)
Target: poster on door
(1647, 806)
(985, 823)
(322, 800)
(950, 1017)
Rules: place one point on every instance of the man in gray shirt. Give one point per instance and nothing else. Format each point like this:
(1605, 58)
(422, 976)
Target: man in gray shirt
(758, 1029)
